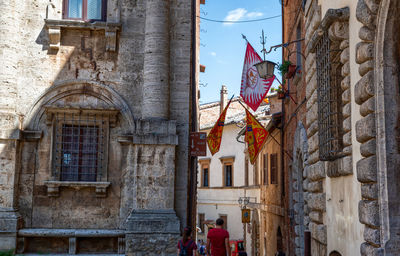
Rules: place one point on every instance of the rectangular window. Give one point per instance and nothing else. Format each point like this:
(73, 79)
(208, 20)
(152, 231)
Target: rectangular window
(80, 143)
(225, 219)
(265, 169)
(201, 221)
(255, 172)
(246, 172)
(205, 177)
(88, 10)
(329, 99)
(79, 153)
(274, 168)
(298, 48)
(228, 175)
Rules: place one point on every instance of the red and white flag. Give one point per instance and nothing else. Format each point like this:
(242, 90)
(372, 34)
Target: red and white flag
(254, 89)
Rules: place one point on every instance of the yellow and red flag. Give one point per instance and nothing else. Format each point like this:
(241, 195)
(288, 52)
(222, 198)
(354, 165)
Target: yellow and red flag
(215, 136)
(255, 136)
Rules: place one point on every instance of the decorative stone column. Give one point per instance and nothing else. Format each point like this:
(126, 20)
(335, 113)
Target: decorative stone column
(152, 227)
(156, 61)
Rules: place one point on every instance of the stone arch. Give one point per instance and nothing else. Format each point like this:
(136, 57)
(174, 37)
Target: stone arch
(65, 89)
(335, 253)
(300, 156)
(279, 239)
(387, 107)
(378, 93)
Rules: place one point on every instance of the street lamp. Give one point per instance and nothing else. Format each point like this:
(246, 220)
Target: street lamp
(243, 201)
(265, 69)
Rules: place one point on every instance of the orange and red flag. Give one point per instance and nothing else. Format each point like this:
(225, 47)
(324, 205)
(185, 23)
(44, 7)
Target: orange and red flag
(255, 136)
(215, 136)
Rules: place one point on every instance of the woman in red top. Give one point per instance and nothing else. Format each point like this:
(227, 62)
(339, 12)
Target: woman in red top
(218, 238)
(187, 246)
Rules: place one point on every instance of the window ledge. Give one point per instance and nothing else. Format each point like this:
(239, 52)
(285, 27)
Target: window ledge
(53, 187)
(110, 28)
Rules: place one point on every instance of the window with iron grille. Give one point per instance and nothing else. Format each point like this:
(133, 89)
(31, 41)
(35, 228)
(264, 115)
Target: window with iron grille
(274, 168)
(80, 143)
(265, 168)
(329, 93)
(87, 10)
(79, 146)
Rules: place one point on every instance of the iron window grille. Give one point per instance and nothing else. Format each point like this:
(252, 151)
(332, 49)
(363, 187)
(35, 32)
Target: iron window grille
(87, 10)
(80, 139)
(329, 92)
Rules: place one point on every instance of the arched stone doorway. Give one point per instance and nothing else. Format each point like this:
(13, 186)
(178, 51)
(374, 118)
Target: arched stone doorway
(298, 178)
(378, 170)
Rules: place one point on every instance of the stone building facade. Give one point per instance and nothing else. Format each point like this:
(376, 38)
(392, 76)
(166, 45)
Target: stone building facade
(96, 105)
(343, 180)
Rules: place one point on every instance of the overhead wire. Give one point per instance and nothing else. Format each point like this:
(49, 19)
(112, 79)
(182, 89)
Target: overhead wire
(239, 21)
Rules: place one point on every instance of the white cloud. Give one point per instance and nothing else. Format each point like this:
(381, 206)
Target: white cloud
(235, 15)
(240, 14)
(213, 54)
(252, 15)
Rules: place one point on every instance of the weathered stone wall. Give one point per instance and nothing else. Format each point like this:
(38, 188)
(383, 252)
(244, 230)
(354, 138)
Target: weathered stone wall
(138, 63)
(377, 94)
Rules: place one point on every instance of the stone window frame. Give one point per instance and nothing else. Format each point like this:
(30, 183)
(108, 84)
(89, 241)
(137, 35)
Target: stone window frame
(65, 13)
(204, 162)
(330, 118)
(109, 119)
(336, 24)
(227, 160)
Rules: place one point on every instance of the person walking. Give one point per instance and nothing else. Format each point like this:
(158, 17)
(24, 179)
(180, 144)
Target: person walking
(218, 240)
(186, 246)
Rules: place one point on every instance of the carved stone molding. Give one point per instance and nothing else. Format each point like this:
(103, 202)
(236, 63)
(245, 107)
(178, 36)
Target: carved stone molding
(53, 187)
(55, 27)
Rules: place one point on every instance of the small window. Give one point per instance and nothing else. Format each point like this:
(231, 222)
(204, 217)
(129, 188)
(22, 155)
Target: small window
(298, 48)
(205, 177)
(225, 219)
(88, 10)
(246, 172)
(228, 175)
(265, 169)
(274, 168)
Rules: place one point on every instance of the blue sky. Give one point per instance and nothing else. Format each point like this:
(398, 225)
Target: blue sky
(222, 48)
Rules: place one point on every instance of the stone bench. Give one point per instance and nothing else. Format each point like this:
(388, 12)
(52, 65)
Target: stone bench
(72, 234)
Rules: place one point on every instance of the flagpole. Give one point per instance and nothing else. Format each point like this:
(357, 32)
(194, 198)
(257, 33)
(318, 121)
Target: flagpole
(245, 38)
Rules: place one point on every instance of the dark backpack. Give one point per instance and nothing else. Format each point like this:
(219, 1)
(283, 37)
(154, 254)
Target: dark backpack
(184, 249)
